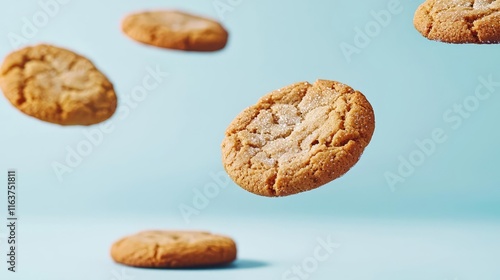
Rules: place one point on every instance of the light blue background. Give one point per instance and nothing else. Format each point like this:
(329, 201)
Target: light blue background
(156, 158)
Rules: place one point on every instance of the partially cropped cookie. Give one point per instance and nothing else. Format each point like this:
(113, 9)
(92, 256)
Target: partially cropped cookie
(175, 30)
(459, 21)
(298, 138)
(57, 85)
(174, 249)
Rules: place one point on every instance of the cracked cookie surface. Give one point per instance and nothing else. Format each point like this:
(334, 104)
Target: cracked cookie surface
(57, 86)
(174, 249)
(175, 30)
(459, 21)
(298, 138)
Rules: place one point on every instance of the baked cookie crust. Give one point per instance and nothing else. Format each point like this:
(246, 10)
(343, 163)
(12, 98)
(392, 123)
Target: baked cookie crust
(175, 30)
(174, 249)
(459, 21)
(298, 138)
(57, 86)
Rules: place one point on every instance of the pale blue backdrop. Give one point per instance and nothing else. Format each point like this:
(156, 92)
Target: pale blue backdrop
(161, 151)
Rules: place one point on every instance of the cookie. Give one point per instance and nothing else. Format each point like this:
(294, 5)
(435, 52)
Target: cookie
(297, 138)
(459, 21)
(175, 30)
(174, 249)
(57, 86)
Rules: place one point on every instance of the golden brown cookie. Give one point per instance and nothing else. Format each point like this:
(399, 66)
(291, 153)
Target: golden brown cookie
(459, 21)
(57, 86)
(298, 138)
(175, 30)
(174, 249)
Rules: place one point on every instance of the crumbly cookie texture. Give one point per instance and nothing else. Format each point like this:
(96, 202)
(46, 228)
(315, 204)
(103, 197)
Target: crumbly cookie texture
(298, 138)
(174, 249)
(175, 30)
(57, 85)
(459, 21)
